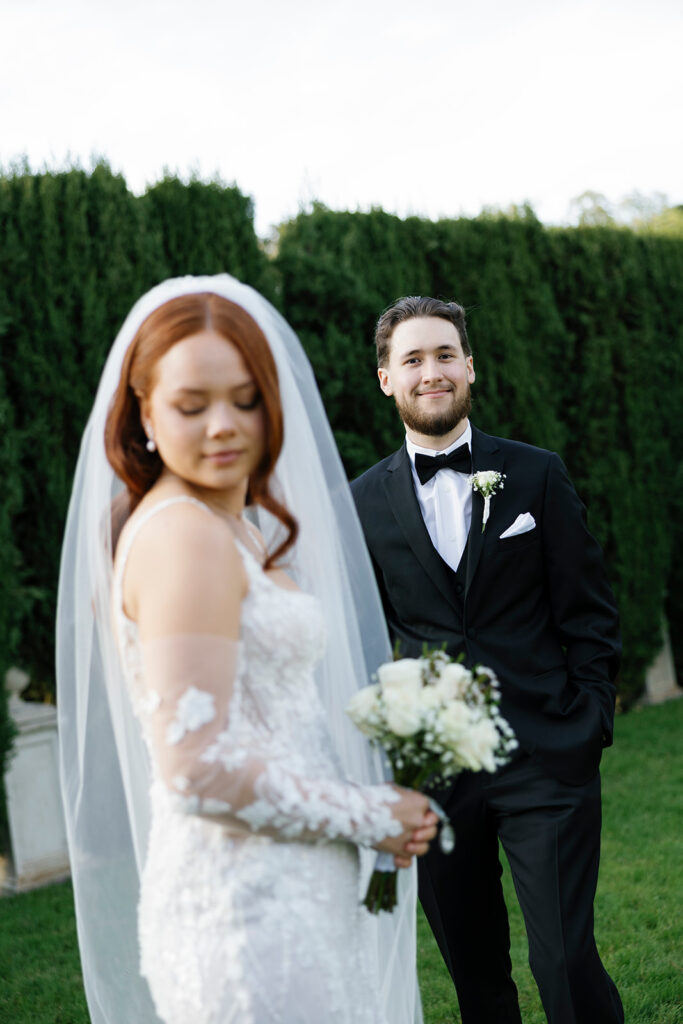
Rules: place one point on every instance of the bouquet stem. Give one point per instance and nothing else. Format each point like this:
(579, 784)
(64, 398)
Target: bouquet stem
(382, 887)
(381, 894)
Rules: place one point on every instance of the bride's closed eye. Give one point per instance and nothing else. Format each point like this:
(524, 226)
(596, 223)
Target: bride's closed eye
(251, 404)
(243, 406)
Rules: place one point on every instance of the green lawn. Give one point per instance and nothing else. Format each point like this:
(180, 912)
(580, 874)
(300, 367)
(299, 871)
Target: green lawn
(639, 927)
(638, 910)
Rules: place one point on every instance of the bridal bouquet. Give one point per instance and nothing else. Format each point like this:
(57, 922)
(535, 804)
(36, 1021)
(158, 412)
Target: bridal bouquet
(433, 718)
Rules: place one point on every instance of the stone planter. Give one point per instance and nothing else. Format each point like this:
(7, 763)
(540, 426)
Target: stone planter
(38, 852)
(660, 680)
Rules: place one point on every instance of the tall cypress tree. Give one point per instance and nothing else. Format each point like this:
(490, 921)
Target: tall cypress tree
(206, 228)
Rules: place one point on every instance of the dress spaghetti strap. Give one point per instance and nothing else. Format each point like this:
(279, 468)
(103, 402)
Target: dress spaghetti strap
(133, 532)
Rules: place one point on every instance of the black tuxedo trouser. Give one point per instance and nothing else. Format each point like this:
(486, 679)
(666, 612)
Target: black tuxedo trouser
(550, 832)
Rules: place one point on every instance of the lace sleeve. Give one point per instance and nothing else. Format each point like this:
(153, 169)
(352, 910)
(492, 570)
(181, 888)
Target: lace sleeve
(192, 710)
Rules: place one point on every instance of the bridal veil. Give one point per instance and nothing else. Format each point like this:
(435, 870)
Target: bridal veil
(103, 761)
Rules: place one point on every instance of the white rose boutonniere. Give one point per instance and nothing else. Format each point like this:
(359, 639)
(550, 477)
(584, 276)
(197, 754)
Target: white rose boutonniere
(486, 482)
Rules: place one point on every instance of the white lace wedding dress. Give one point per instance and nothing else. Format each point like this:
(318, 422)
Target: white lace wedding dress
(249, 909)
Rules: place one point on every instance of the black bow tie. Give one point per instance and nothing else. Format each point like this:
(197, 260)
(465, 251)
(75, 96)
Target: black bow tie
(427, 466)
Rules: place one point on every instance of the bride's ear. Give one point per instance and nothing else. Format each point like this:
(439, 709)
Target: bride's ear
(145, 417)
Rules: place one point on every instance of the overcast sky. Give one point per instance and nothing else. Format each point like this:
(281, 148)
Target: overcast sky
(436, 107)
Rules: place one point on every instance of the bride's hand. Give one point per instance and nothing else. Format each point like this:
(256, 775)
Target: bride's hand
(419, 827)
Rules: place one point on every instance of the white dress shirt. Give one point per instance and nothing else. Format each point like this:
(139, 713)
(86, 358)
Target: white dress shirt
(445, 502)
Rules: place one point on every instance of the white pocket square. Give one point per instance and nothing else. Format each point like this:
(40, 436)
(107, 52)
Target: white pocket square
(522, 524)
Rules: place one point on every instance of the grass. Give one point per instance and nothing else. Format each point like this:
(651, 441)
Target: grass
(638, 922)
(40, 970)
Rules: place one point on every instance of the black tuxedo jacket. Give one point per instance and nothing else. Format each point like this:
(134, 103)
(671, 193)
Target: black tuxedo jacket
(536, 608)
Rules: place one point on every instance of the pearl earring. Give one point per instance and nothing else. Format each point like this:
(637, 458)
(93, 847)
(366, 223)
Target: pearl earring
(151, 445)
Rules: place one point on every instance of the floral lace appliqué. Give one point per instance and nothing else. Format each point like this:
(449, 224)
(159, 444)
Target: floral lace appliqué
(194, 709)
(335, 810)
(150, 703)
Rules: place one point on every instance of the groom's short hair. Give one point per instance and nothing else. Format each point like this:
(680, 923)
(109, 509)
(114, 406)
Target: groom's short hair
(410, 307)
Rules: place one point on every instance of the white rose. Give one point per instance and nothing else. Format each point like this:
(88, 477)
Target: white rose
(429, 698)
(452, 682)
(401, 675)
(363, 707)
(454, 721)
(478, 746)
(403, 711)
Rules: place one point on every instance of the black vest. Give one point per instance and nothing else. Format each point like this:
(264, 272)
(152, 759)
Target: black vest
(458, 580)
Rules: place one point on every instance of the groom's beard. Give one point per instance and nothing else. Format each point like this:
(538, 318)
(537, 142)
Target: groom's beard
(435, 424)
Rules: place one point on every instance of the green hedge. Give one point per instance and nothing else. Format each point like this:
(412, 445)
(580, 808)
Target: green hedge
(576, 333)
(206, 228)
(578, 344)
(71, 265)
(76, 250)
(10, 573)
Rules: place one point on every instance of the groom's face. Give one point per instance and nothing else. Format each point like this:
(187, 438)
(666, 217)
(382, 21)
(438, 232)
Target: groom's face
(428, 376)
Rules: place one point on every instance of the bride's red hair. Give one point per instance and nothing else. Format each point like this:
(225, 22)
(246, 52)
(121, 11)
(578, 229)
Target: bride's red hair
(125, 439)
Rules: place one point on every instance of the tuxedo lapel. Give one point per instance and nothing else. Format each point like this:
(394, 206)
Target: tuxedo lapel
(400, 492)
(486, 454)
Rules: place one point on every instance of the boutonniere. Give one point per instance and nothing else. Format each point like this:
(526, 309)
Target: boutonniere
(486, 482)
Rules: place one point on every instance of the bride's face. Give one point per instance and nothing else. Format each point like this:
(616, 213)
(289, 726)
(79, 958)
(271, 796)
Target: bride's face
(206, 414)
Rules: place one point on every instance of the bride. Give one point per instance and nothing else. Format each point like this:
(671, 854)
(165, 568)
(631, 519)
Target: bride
(218, 802)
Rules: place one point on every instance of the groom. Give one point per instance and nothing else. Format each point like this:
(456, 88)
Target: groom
(525, 593)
